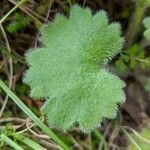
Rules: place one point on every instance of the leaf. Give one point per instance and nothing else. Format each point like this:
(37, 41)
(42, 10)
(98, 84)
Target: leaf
(69, 70)
(133, 50)
(125, 58)
(133, 64)
(147, 34)
(121, 65)
(141, 55)
(18, 23)
(146, 23)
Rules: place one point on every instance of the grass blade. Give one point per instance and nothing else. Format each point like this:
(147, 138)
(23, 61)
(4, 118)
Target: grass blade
(10, 142)
(32, 144)
(131, 139)
(12, 10)
(37, 121)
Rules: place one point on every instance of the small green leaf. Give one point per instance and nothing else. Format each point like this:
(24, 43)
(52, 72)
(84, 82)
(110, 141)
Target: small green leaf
(141, 55)
(18, 23)
(146, 22)
(133, 64)
(121, 65)
(147, 34)
(125, 58)
(133, 50)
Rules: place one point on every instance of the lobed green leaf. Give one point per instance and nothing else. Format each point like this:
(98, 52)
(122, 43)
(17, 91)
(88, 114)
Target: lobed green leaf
(69, 70)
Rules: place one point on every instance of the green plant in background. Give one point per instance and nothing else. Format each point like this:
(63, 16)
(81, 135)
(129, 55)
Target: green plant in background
(135, 55)
(36, 120)
(131, 58)
(147, 85)
(146, 23)
(69, 70)
(136, 21)
(10, 137)
(18, 23)
(8, 134)
(143, 140)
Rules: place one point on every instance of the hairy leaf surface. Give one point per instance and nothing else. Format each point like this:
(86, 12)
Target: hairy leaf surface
(146, 23)
(69, 69)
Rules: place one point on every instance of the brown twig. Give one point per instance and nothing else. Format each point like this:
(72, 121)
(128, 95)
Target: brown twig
(10, 69)
(12, 119)
(29, 12)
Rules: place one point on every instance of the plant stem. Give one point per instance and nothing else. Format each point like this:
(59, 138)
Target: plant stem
(12, 10)
(10, 142)
(10, 75)
(141, 60)
(29, 13)
(131, 139)
(102, 140)
(13, 56)
(32, 144)
(69, 1)
(37, 121)
(135, 23)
